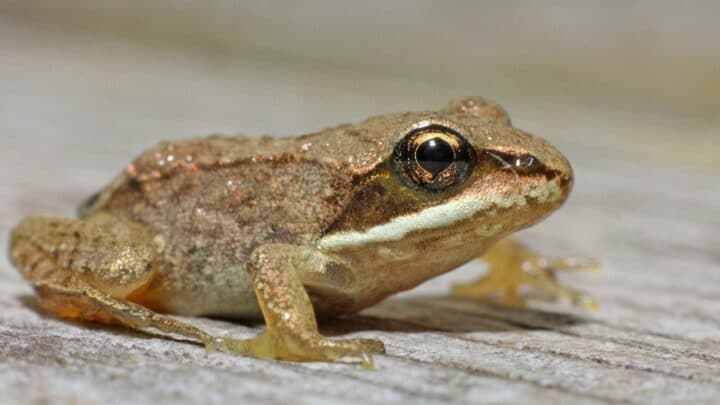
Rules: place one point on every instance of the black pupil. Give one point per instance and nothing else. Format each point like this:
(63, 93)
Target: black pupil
(435, 155)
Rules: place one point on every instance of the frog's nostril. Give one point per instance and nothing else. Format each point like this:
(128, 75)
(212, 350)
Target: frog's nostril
(519, 164)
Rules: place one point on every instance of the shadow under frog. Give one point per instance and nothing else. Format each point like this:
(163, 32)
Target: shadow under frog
(416, 314)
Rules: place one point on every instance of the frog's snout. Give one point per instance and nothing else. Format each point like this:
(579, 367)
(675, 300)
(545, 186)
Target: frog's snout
(557, 170)
(566, 178)
(539, 168)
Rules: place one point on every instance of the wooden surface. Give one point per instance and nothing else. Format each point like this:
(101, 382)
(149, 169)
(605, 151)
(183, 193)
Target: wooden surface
(75, 106)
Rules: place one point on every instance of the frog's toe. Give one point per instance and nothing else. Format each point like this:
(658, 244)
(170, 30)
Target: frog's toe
(569, 264)
(540, 275)
(213, 344)
(371, 345)
(549, 289)
(357, 351)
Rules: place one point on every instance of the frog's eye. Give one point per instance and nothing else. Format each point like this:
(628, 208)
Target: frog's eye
(433, 158)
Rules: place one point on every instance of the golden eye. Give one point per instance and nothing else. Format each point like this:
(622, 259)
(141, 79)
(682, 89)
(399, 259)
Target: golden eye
(433, 158)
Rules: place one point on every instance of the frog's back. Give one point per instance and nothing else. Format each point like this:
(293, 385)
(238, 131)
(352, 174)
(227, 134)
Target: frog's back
(209, 202)
(300, 181)
(194, 188)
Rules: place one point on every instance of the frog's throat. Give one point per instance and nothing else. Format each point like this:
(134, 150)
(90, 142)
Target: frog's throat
(438, 216)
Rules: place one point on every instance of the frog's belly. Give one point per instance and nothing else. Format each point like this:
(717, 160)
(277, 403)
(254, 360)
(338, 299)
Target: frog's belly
(224, 292)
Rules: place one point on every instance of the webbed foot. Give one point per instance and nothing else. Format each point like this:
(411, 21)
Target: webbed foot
(518, 274)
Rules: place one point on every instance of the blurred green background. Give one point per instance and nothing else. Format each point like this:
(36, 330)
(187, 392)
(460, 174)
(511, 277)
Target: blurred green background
(85, 85)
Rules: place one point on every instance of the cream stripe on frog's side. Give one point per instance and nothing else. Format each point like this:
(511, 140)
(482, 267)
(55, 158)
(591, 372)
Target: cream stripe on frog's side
(437, 216)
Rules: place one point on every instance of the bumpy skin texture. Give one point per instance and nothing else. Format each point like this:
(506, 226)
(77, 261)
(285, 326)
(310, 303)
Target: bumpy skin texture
(290, 228)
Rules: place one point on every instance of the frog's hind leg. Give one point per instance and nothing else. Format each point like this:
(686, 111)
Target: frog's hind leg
(90, 268)
(82, 301)
(514, 266)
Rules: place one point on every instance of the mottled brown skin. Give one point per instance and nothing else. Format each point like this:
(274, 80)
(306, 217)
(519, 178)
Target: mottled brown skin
(241, 227)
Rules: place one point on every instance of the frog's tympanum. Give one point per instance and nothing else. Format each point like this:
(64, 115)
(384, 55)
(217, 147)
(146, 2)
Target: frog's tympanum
(289, 229)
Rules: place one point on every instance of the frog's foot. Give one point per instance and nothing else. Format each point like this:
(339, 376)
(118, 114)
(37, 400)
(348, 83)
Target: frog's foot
(313, 347)
(518, 274)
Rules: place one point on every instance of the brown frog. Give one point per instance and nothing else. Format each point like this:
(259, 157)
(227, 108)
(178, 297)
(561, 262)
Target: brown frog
(321, 224)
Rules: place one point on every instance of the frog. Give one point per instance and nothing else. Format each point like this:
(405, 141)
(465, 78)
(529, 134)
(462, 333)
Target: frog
(295, 229)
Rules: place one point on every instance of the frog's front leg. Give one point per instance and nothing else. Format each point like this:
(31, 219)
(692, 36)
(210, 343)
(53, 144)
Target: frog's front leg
(514, 266)
(279, 272)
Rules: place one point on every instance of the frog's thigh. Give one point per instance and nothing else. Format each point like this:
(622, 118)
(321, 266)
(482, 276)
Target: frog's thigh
(87, 269)
(277, 272)
(512, 266)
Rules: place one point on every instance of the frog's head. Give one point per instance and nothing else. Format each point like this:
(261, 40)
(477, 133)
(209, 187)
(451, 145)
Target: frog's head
(450, 183)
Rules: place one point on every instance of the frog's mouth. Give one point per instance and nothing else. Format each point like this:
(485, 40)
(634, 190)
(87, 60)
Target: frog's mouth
(433, 217)
(462, 208)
